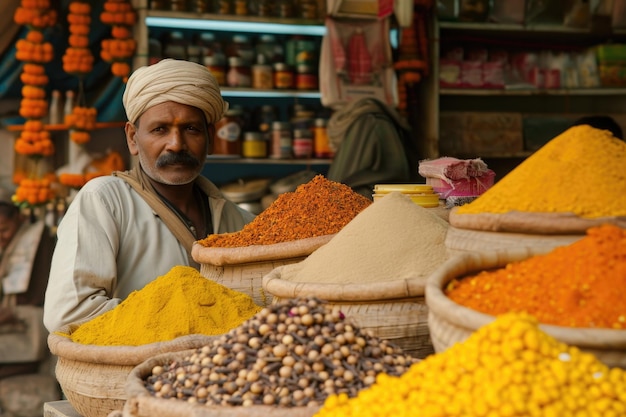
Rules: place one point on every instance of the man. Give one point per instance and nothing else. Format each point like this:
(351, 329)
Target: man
(122, 231)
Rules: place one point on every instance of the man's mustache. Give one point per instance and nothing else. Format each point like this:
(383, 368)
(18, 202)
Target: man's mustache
(181, 158)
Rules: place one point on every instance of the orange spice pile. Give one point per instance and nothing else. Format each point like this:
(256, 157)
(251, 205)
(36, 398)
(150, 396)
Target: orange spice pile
(318, 208)
(578, 285)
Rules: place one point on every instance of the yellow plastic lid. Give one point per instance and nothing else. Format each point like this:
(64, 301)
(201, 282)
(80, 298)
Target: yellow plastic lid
(424, 200)
(403, 188)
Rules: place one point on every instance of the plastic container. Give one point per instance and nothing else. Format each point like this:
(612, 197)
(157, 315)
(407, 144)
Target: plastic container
(254, 145)
(420, 194)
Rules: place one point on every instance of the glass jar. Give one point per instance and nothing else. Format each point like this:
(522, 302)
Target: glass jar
(223, 6)
(241, 46)
(175, 46)
(269, 48)
(283, 76)
(307, 9)
(282, 136)
(254, 145)
(201, 6)
(264, 117)
(285, 8)
(306, 77)
(321, 144)
(228, 134)
(239, 73)
(302, 143)
(217, 65)
(178, 5)
(262, 76)
(241, 7)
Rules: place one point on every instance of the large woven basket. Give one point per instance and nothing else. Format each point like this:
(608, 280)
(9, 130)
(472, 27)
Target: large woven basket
(467, 240)
(243, 268)
(142, 404)
(393, 310)
(450, 322)
(93, 377)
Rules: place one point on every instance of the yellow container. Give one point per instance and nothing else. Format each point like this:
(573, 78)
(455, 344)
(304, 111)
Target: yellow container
(421, 194)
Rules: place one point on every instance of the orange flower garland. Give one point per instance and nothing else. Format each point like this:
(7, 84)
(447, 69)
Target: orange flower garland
(34, 141)
(118, 50)
(78, 59)
(33, 192)
(81, 121)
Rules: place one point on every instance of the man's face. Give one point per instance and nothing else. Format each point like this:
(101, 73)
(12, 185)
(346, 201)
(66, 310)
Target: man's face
(172, 141)
(8, 228)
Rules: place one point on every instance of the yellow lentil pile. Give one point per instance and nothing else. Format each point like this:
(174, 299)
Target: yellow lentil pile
(578, 285)
(580, 171)
(317, 208)
(508, 368)
(179, 303)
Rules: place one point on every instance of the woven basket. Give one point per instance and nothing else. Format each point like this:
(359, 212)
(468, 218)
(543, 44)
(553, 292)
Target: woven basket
(93, 377)
(141, 404)
(393, 310)
(467, 240)
(450, 322)
(243, 268)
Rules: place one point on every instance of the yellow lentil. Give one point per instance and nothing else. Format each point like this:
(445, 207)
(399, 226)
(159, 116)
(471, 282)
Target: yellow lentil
(506, 368)
(579, 171)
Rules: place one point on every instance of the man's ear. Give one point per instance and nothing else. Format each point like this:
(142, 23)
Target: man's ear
(211, 138)
(131, 130)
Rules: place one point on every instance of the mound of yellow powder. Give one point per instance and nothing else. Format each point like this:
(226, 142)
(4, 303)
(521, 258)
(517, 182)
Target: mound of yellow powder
(581, 171)
(180, 303)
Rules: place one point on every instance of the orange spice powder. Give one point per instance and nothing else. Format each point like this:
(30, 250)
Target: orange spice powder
(318, 208)
(578, 285)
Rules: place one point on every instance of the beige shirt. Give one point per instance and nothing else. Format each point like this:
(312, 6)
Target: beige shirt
(110, 243)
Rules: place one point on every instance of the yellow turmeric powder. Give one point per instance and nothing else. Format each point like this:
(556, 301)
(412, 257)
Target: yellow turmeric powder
(180, 303)
(580, 171)
(578, 285)
(506, 368)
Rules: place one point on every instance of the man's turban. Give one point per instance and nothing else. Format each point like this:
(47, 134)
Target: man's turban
(180, 81)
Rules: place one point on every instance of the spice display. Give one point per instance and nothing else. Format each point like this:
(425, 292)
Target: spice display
(293, 353)
(580, 171)
(392, 239)
(318, 208)
(506, 368)
(575, 285)
(179, 303)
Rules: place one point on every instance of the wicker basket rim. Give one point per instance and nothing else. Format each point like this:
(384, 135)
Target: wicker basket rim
(219, 256)
(389, 290)
(466, 263)
(63, 346)
(529, 222)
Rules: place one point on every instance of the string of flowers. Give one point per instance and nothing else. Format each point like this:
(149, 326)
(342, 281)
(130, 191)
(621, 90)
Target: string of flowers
(118, 50)
(34, 140)
(78, 60)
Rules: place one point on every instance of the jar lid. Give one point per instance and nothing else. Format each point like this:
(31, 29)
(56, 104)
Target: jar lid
(279, 125)
(302, 133)
(321, 122)
(214, 60)
(258, 136)
(305, 69)
(403, 188)
(281, 66)
(237, 61)
(240, 38)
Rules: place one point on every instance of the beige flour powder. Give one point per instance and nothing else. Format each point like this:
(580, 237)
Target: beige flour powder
(391, 239)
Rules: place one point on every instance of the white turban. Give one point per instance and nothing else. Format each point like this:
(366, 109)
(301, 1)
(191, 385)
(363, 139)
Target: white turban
(180, 81)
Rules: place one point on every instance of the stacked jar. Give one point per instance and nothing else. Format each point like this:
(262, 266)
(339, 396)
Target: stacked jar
(281, 146)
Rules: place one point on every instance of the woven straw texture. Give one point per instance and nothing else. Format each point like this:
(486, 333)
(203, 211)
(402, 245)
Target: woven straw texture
(242, 269)
(450, 322)
(466, 240)
(531, 223)
(393, 310)
(93, 377)
(141, 404)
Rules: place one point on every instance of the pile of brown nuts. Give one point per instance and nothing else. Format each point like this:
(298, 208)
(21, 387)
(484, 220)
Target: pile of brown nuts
(292, 353)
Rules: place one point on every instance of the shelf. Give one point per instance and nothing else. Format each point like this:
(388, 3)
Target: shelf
(267, 161)
(233, 23)
(533, 92)
(273, 93)
(513, 27)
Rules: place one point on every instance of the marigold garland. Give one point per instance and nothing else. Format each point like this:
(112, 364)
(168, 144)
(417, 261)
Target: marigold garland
(34, 140)
(33, 192)
(118, 50)
(78, 58)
